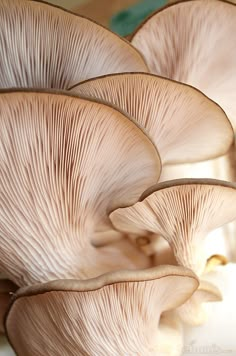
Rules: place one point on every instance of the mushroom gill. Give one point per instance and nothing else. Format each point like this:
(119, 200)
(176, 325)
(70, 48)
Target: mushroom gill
(45, 46)
(115, 314)
(183, 212)
(193, 42)
(65, 163)
(175, 115)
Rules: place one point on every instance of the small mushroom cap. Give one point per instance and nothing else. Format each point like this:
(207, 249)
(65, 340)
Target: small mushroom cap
(175, 115)
(65, 163)
(60, 49)
(6, 289)
(182, 211)
(194, 42)
(219, 330)
(215, 260)
(114, 314)
(194, 311)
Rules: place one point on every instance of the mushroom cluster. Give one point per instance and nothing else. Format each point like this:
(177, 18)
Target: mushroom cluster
(100, 254)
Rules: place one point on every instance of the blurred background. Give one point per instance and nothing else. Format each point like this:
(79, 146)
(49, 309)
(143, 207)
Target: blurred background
(122, 16)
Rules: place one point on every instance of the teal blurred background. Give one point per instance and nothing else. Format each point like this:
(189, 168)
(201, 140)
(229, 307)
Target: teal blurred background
(127, 20)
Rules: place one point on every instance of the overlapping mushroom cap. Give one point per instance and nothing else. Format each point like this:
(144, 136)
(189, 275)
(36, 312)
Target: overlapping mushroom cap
(194, 311)
(175, 115)
(65, 163)
(47, 47)
(183, 212)
(115, 314)
(193, 42)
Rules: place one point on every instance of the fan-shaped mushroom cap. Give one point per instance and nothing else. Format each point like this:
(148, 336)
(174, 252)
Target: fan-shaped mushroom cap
(194, 311)
(114, 314)
(175, 115)
(183, 212)
(194, 42)
(65, 163)
(6, 288)
(48, 47)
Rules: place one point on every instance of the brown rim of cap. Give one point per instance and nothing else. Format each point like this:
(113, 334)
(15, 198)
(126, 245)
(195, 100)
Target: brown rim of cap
(154, 76)
(89, 285)
(150, 75)
(131, 36)
(94, 284)
(83, 97)
(186, 181)
(95, 22)
(206, 286)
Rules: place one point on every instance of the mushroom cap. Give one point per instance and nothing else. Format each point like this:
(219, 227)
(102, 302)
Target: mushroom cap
(46, 46)
(114, 314)
(65, 163)
(218, 333)
(193, 42)
(194, 311)
(175, 115)
(215, 260)
(183, 211)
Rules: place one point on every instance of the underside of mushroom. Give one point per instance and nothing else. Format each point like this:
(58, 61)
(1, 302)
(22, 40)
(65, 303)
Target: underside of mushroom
(65, 163)
(115, 314)
(182, 211)
(109, 224)
(193, 42)
(44, 46)
(175, 115)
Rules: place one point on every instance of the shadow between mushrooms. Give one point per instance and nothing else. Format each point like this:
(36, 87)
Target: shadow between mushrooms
(65, 163)
(182, 211)
(114, 314)
(175, 115)
(46, 46)
(6, 290)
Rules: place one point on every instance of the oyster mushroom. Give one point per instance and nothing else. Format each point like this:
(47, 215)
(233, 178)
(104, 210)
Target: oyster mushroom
(194, 311)
(46, 46)
(193, 42)
(65, 163)
(183, 212)
(114, 314)
(175, 115)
